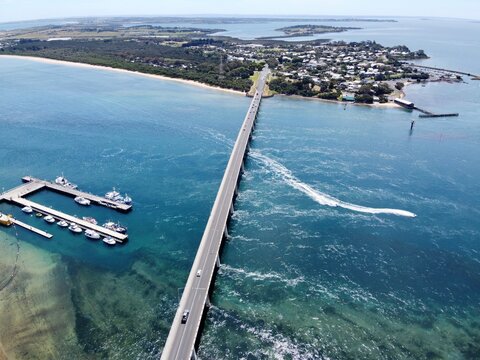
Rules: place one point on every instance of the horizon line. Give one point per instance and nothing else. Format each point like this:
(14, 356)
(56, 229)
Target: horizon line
(207, 15)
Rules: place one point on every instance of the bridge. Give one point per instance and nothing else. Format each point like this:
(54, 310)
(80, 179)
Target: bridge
(185, 329)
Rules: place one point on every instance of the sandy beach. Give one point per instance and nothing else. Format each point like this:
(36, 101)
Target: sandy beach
(151, 76)
(389, 105)
(191, 82)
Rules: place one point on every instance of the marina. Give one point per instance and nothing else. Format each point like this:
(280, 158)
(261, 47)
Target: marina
(31, 185)
(66, 190)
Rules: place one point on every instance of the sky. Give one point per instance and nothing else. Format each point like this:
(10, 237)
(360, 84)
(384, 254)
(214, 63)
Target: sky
(16, 10)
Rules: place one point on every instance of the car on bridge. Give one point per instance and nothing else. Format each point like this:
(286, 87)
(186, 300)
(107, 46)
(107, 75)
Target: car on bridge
(185, 316)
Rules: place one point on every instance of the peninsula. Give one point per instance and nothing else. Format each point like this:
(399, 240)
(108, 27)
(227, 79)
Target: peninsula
(308, 30)
(363, 72)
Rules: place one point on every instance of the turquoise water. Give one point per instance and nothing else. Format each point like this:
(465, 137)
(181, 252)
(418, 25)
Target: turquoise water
(301, 278)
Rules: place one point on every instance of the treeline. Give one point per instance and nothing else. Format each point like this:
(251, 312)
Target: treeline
(147, 56)
(367, 92)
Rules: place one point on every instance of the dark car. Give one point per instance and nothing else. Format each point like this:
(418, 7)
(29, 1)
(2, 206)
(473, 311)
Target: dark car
(185, 316)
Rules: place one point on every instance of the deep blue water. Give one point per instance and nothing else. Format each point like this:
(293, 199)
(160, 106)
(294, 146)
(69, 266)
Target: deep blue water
(300, 279)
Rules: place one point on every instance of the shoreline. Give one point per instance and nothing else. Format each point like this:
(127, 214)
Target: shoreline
(389, 105)
(124, 71)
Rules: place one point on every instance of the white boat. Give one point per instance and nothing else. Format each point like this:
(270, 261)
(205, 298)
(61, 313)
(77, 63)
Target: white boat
(90, 219)
(62, 180)
(75, 228)
(115, 227)
(92, 234)
(109, 241)
(112, 195)
(62, 223)
(127, 200)
(27, 210)
(49, 219)
(82, 201)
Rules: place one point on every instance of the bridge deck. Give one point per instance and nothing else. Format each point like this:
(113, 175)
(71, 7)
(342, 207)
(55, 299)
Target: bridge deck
(181, 340)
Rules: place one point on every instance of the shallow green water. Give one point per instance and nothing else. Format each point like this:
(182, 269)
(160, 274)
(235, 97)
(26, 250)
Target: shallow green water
(310, 269)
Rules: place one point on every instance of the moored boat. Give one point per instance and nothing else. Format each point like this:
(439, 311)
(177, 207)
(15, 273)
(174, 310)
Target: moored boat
(90, 219)
(27, 210)
(63, 181)
(75, 228)
(112, 195)
(5, 220)
(115, 227)
(39, 215)
(127, 200)
(92, 234)
(109, 241)
(82, 201)
(62, 223)
(49, 219)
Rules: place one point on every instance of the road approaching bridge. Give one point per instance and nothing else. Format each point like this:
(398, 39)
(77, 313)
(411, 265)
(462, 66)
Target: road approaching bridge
(185, 329)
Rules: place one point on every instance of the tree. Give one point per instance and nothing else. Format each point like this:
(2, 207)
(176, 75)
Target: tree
(364, 98)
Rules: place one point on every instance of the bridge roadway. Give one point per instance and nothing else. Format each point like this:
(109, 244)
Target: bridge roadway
(181, 340)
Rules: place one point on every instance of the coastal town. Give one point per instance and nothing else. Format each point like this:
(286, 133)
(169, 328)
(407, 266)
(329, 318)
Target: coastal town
(362, 72)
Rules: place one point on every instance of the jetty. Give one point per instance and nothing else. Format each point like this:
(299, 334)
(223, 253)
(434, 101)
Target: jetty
(185, 330)
(31, 185)
(473, 76)
(438, 115)
(429, 114)
(425, 113)
(31, 228)
(98, 200)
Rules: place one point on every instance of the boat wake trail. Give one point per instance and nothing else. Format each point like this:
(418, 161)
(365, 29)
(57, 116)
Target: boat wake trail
(319, 197)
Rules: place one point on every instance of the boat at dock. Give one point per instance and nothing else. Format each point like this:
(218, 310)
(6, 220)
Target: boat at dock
(5, 220)
(109, 241)
(49, 219)
(127, 200)
(62, 223)
(114, 195)
(39, 215)
(115, 227)
(27, 210)
(90, 219)
(91, 234)
(75, 228)
(82, 201)
(63, 181)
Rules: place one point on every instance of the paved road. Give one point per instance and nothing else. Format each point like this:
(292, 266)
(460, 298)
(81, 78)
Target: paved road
(181, 339)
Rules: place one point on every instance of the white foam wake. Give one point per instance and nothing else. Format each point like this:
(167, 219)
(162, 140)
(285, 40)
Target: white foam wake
(319, 197)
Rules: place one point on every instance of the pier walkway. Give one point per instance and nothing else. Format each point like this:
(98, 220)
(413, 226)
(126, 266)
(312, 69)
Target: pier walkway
(444, 70)
(183, 334)
(74, 193)
(31, 185)
(32, 229)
